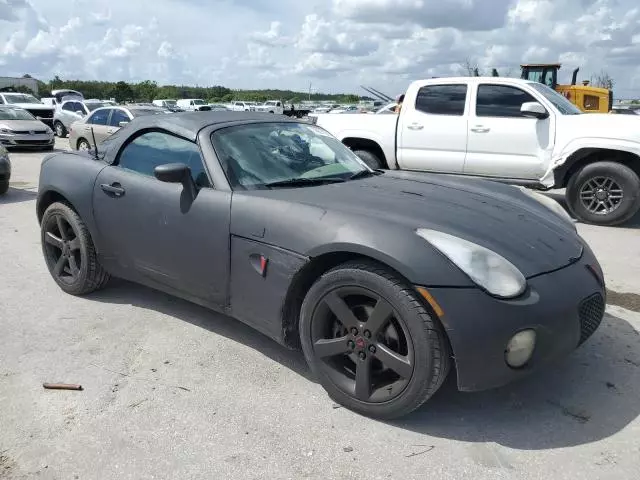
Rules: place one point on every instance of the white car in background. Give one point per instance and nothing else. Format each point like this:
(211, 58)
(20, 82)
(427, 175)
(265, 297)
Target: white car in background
(271, 106)
(70, 111)
(31, 104)
(193, 104)
(243, 106)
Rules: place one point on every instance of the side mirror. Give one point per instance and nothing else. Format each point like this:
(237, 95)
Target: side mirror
(534, 110)
(172, 172)
(122, 124)
(178, 173)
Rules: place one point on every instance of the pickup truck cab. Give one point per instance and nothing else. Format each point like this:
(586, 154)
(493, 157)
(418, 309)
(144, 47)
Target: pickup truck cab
(510, 130)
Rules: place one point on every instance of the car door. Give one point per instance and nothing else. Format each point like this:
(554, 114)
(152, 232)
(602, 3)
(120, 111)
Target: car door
(68, 113)
(503, 142)
(117, 117)
(432, 132)
(98, 121)
(149, 233)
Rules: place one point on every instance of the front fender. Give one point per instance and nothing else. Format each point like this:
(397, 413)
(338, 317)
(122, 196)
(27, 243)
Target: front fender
(70, 177)
(604, 143)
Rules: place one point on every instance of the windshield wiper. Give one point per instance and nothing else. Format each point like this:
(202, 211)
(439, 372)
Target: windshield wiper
(301, 182)
(364, 173)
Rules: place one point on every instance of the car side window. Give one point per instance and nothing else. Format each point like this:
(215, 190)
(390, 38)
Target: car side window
(442, 99)
(501, 101)
(118, 116)
(152, 149)
(99, 117)
(68, 106)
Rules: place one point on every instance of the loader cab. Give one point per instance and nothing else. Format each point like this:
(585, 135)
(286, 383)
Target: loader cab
(541, 73)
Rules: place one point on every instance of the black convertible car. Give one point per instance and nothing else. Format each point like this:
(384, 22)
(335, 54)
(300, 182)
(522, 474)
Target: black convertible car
(386, 280)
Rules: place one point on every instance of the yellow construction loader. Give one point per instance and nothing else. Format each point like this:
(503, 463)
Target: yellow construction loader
(587, 98)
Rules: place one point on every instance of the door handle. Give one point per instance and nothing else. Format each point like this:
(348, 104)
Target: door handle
(115, 189)
(480, 129)
(415, 126)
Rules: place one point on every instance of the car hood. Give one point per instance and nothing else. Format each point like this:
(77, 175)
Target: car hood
(496, 216)
(599, 125)
(32, 106)
(21, 125)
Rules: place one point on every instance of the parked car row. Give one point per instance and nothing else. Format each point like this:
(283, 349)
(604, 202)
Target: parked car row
(21, 129)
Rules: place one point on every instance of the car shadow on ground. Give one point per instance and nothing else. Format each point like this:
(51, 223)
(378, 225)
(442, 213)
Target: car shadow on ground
(17, 195)
(587, 397)
(559, 197)
(123, 292)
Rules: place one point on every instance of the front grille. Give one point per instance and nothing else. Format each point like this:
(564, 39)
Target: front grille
(41, 113)
(29, 132)
(32, 142)
(591, 311)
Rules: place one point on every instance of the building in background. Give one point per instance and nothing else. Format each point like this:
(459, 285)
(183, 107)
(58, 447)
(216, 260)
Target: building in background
(15, 82)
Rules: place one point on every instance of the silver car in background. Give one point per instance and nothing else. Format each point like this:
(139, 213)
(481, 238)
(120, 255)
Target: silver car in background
(104, 122)
(70, 111)
(20, 129)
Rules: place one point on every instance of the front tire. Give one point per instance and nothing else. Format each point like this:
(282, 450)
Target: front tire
(371, 342)
(604, 193)
(370, 158)
(69, 251)
(60, 130)
(83, 145)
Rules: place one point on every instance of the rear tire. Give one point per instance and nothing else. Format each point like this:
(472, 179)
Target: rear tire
(69, 251)
(60, 130)
(392, 389)
(604, 193)
(370, 158)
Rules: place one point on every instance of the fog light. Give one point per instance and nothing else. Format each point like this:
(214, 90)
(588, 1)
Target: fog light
(520, 348)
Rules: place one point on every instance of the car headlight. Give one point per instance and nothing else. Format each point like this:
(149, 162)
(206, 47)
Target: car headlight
(5, 130)
(550, 203)
(484, 267)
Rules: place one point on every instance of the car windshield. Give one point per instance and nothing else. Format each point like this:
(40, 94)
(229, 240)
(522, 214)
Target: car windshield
(20, 98)
(15, 114)
(562, 104)
(93, 105)
(257, 156)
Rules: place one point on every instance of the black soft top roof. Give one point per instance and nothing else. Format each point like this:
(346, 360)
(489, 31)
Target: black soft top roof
(188, 124)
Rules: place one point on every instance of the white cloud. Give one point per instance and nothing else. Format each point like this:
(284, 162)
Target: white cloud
(339, 44)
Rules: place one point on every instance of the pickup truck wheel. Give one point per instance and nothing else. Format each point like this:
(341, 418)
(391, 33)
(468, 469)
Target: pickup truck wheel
(604, 193)
(370, 158)
(69, 252)
(61, 132)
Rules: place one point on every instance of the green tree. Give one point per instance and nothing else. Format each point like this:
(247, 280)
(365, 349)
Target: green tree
(122, 92)
(145, 91)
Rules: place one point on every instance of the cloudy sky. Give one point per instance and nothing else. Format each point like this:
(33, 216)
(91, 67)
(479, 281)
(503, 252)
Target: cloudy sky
(334, 45)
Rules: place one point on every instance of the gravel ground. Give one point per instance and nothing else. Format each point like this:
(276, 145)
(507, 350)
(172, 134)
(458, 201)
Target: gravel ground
(172, 390)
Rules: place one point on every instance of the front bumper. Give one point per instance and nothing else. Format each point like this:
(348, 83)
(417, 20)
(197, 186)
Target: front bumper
(564, 308)
(38, 140)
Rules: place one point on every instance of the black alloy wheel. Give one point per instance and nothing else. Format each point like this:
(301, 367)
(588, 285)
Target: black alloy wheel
(62, 249)
(373, 343)
(365, 348)
(69, 252)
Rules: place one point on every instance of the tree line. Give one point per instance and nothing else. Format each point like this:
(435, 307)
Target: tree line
(148, 90)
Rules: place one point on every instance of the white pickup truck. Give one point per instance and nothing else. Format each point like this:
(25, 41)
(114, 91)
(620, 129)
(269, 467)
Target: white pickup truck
(509, 130)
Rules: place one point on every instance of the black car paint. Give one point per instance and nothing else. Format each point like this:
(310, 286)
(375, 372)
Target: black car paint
(201, 251)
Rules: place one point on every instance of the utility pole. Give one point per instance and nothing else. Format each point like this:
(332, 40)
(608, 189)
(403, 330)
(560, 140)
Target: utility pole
(309, 91)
